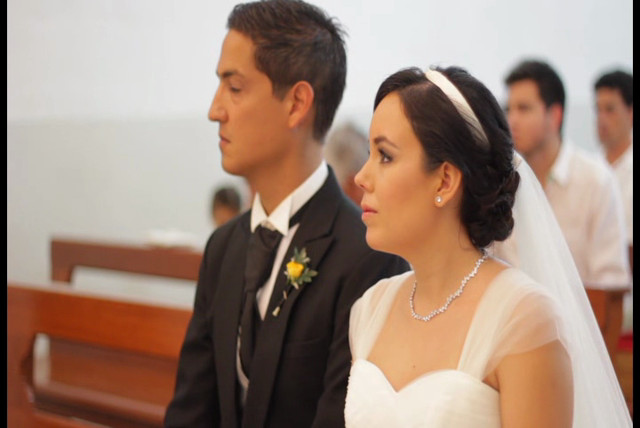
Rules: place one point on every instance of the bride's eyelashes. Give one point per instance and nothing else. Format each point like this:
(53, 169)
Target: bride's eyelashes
(384, 156)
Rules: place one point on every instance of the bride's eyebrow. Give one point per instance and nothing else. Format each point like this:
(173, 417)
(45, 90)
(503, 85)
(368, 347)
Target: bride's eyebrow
(383, 139)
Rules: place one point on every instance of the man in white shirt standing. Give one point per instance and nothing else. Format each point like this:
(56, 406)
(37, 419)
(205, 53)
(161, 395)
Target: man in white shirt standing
(614, 107)
(581, 189)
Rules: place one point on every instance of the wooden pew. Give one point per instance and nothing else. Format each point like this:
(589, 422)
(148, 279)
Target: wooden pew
(624, 364)
(67, 254)
(607, 308)
(117, 392)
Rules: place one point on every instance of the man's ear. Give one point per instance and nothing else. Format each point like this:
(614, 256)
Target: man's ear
(556, 113)
(300, 103)
(450, 180)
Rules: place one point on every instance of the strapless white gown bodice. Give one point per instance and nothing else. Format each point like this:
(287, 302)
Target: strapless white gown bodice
(443, 398)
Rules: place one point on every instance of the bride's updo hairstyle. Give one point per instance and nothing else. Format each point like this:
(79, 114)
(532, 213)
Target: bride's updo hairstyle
(475, 138)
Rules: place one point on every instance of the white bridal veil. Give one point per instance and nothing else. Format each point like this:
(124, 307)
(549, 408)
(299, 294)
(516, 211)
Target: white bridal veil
(542, 252)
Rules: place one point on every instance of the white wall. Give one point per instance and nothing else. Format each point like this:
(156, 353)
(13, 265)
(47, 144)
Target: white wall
(107, 100)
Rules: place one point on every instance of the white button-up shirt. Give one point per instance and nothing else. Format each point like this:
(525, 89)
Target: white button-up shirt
(585, 198)
(623, 169)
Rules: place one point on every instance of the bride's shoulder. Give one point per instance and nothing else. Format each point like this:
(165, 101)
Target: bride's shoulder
(515, 289)
(516, 280)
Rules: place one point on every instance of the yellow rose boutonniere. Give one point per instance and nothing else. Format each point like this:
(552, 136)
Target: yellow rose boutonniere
(294, 270)
(298, 273)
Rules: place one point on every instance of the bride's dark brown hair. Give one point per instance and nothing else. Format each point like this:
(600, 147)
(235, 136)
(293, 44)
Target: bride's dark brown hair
(489, 178)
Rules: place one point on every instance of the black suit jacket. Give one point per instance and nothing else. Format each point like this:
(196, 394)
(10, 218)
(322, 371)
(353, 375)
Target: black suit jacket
(302, 359)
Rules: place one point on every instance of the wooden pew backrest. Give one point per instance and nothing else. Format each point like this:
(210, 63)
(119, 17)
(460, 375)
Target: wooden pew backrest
(121, 392)
(67, 254)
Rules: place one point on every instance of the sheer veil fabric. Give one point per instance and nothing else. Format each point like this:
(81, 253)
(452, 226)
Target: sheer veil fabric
(537, 247)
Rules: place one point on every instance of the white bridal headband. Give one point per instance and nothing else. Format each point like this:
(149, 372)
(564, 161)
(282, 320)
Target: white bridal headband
(459, 101)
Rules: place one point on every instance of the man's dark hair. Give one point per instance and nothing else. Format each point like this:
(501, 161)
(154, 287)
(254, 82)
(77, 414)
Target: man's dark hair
(296, 41)
(226, 196)
(549, 83)
(620, 80)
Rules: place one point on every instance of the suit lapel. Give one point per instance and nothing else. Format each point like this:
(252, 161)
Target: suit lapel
(230, 290)
(314, 234)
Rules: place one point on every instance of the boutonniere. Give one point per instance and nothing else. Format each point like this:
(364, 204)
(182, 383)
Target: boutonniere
(297, 273)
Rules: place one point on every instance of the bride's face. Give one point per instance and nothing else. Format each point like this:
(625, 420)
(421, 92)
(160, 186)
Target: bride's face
(398, 201)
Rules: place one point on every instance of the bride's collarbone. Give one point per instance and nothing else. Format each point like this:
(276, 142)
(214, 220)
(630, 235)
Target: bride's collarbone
(408, 348)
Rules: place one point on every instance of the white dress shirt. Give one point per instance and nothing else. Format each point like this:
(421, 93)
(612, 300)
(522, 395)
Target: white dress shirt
(623, 169)
(585, 198)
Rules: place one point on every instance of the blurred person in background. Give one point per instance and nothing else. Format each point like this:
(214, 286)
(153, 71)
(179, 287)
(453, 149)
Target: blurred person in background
(346, 150)
(581, 189)
(226, 203)
(614, 109)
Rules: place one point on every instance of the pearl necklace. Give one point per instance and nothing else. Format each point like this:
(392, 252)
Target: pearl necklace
(450, 299)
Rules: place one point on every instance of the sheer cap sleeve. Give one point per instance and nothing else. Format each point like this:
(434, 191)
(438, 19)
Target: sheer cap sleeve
(369, 313)
(514, 316)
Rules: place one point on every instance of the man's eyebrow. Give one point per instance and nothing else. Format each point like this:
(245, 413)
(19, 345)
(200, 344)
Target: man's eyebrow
(228, 73)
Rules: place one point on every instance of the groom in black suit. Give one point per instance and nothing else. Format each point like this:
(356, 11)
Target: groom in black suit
(278, 356)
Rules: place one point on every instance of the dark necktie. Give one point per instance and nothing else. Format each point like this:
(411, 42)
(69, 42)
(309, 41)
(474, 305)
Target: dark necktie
(260, 256)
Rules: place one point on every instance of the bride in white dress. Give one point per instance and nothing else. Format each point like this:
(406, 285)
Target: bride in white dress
(465, 339)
